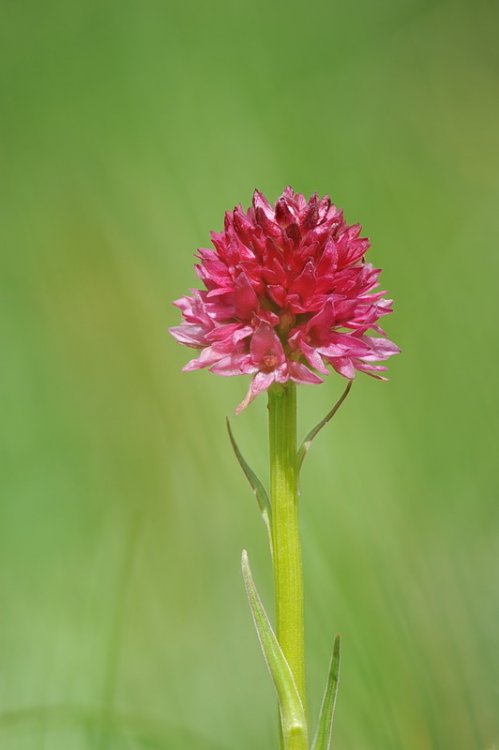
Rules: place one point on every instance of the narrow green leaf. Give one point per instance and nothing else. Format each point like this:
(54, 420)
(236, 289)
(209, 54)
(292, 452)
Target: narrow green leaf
(293, 722)
(256, 485)
(324, 732)
(305, 446)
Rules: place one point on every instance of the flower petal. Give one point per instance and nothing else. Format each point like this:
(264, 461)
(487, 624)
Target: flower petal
(301, 374)
(260, 382)
(245, 298)
(266, 349)
(344, 366)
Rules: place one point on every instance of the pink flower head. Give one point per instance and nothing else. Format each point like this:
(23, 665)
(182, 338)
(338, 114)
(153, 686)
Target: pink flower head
(287, 292)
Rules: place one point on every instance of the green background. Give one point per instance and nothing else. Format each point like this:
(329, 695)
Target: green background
(127, 129)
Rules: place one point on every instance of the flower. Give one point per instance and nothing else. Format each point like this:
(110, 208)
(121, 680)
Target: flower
(287, 292)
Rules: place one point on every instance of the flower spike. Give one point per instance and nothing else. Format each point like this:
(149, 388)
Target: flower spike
(287, 297)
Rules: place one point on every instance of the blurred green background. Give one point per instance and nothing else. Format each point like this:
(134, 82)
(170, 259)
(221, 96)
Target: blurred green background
(127, 129)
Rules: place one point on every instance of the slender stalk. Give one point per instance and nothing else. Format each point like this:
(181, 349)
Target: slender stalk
(287, 562)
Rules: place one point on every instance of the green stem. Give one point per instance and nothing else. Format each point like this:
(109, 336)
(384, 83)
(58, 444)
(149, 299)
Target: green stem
(288, 574)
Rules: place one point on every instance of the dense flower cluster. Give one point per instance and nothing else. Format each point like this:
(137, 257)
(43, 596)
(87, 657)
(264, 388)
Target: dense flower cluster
(287, 293)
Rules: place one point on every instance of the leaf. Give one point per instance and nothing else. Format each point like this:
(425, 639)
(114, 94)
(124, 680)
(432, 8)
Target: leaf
(324, 732)
(293, 722)
(305, 446)
(256, 485)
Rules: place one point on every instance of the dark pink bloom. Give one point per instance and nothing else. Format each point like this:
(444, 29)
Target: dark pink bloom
(287, 292)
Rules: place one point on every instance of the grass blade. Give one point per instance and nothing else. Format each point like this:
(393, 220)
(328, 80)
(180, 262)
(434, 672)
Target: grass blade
(256, 485)
(293, 722)
(305, 446)
(324, 732)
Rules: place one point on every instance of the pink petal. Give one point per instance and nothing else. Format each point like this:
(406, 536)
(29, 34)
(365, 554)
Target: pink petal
(311, 354)
(245, 298)
(344, 366)
(260, 382)
(311, 214)
(238, 364)
(266, 349)
(284, 214)
(320, 324)
(194, 336)
(304, 285)
(301, 374)
(371, 370)
(232, 331)
(342, 344)
(382, 348)
(265, 216)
